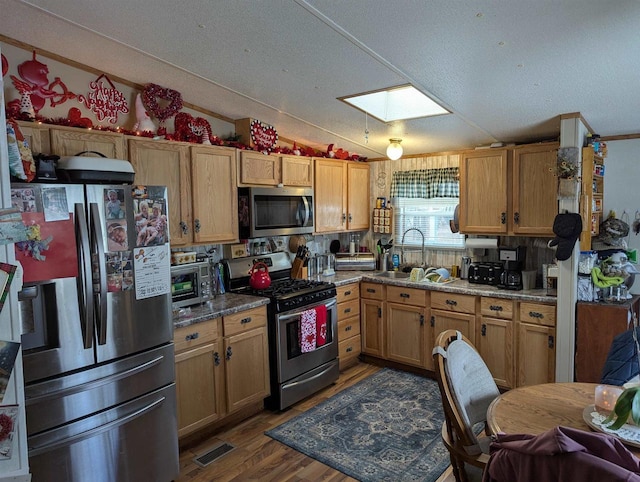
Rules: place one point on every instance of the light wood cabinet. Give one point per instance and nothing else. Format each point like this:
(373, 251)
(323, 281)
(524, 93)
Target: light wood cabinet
(496, 340)
(199, 375)
(536, 344)
(297, 171)
(246, 357)
(509, 191)
(372, 308)
(349, 339)
(409, 338)
(167, 164)
(201, 182)
(214, 191)
(37, 136)
(452, 311)
(69, 141)
(222, 366)
(592, 198)
(341, 196)
(260, 169)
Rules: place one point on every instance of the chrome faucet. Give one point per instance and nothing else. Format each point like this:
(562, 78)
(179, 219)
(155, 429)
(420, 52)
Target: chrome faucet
(402, 245)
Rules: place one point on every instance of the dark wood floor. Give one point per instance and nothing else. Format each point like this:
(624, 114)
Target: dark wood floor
(258, 457)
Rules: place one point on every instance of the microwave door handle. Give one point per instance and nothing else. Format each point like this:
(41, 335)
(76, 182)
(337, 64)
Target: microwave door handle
(305, 201)
(98, 240)
(296, 314)
(84, 280)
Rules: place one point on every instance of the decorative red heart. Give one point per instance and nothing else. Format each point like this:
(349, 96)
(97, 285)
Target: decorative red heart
(190, 129)
(153, 92)
(76, 119)
(264, 136)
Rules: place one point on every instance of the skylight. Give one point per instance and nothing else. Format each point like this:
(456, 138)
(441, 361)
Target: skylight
(395, 103)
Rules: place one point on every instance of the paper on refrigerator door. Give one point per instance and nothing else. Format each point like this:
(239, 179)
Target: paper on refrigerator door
(152, 273)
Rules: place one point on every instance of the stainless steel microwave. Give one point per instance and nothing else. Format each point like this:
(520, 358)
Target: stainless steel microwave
(190, 284)
(272, 211)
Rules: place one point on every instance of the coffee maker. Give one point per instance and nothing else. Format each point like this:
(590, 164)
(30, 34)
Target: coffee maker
(513, 259)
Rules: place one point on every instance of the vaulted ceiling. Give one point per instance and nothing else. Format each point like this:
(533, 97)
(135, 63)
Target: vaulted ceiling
(505, 69)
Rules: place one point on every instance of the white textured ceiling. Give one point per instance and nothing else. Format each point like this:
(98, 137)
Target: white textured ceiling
(505, 69)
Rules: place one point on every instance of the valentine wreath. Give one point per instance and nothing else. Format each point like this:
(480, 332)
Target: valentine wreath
(153, 92)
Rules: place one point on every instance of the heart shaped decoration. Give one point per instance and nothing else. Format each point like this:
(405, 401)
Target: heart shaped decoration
(153, 92)
(192, 129)
(264, 136)
(76, 119)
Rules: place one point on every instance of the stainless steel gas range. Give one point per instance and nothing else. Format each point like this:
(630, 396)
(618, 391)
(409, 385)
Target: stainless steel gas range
(302, 327)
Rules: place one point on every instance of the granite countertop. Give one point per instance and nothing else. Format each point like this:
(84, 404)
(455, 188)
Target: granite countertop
(458, 286)
(230, 303)
(220, 305)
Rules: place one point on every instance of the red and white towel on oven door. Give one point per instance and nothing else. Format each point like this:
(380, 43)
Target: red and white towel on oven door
(308, 331)
(313, 328)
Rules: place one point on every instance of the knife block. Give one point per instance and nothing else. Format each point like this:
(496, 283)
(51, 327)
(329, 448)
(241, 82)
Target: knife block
(298, 270)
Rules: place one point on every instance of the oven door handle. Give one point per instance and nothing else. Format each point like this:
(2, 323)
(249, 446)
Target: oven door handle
(296, 314)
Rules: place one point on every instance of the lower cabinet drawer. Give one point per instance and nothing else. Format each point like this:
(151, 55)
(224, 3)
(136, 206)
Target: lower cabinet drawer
(348, 328)
(350, 347)
(196, 334)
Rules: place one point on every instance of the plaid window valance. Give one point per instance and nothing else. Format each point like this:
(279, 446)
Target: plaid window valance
(426, 183)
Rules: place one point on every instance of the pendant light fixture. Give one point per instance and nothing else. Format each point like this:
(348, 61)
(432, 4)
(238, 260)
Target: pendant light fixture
(394, 150)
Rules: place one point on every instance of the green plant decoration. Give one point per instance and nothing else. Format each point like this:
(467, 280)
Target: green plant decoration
(628, 404)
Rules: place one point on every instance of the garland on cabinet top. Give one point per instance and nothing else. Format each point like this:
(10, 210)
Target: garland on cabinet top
(106, 102)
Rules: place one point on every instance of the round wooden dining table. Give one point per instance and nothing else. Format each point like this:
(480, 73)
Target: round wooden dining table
(537, 408)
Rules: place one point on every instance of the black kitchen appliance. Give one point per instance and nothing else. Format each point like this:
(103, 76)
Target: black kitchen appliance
(513, 259)
(485, 273)
(295, 372)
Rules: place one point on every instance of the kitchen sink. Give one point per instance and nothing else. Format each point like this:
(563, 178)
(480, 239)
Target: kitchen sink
(393, 275)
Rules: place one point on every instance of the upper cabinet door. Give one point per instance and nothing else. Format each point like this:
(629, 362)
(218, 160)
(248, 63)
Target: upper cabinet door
(484, 191)
(215, 202)
(535, 197)
(297, 171)
(330, 203)
(159, 163)
(69, 141)
(358, 211)
(258, 168)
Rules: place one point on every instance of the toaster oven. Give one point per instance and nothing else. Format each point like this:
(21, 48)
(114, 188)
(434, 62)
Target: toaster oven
(190, 284)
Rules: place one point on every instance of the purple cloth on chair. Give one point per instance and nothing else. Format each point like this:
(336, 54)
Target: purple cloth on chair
(562, 454)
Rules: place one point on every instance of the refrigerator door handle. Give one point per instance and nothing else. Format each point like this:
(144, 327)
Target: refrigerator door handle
(93, 384)
(84, 280)
(97, 236)
(37, 450)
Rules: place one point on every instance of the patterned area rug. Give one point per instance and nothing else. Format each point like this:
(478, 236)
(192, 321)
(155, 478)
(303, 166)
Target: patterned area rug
(384, 428)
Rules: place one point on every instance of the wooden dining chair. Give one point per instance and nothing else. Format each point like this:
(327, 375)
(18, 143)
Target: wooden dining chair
(467, 388)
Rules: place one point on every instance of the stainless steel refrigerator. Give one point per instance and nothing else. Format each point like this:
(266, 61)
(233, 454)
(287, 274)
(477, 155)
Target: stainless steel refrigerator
(97, 332)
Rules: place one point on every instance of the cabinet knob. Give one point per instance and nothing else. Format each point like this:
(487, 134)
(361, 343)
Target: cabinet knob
(405, 295)
(348, 328)
(229, 353)
(451, 302)
(347, 293)
(551, 341)
(350, 217)
(495, 308)
(246, 320)
(421, 320)
(347, 310)
(371, 290)
(535, 314)
(349, 349)
(433, 321)
(192, 336)
(483, 331)
(344, 218)
(516, 218)
(503, 218)
(184, 228)
(216, 358)
(197, 225)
